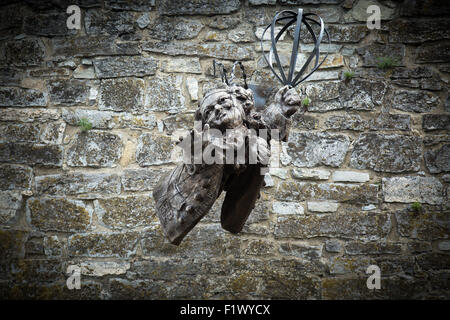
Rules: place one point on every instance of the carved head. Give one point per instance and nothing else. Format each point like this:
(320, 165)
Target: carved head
(225, 108)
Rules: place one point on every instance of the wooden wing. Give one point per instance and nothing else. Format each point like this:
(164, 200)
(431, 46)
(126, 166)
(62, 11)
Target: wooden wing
(182, 199)
(242, 191)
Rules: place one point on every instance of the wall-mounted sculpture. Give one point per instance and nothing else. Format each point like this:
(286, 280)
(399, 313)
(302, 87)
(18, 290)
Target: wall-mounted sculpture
(230, 143)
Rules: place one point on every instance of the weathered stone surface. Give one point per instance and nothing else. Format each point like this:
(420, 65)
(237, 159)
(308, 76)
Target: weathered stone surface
(222, 22)
(68, 92)
(143, 21)
(10, 203)
(54, 246)
(102, 268)
(243, 34)
(164, 94)
(310, 174)
(15, 177)
(367, 225)
(29, 115)
(267, 37)
(386, 153)
(395, 288)
(304, 122)
(203, 7)
(153, 149)
(138, 289)
(10, 76)
(420, 8)
(415, 73)
(346, 122)
(350, 176)
(359, 10)
(92, 46)
(427, 53)
(52, 24)
(181, 121)
(141, 179)
(433, 261)
(436, 139)
(134, 5)
(347, 33)
(122, 95)
(419, 246)
(262, 2)
(51, 132)
(192, 88)
(170, 28)
(25, 52)
(98, 22)
(333, 246)
(121, 245)
(214, 240)
(367, 248)
(427, 225)
(124, 66)
(388, 122)
(27, 153)
(283, 208)
(411, 189)
(125, 212)
(313, 149)
(59, 214)
(188, 65)
(437, 160)
(436, 122)
(415, 101)
(297, 2)
(56, 289)
(259, 248)
(371, 53)
(444, 245)
(226, 51)
(322, 206)
(88, 184)
(359, 94)
(95, 149)
(108, 119)
(299, 191)
(407, 31)
(324, 96)
(84, 72)
(301, 250)
(9, 17)
(19, 97)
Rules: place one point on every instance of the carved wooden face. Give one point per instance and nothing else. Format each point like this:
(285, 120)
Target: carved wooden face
(221, 110)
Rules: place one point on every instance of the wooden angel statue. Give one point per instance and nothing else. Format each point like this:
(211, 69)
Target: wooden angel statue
(229, 146)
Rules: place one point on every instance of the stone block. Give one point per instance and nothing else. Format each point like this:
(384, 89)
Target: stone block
(95, 149)
(309, 149)
(154, 149)
(20, 97)
(164, 94)
(398, 153)
(15, 177)
(59, 214)
(125, 212)
(122, 95)
(77, 183)
(413, 189)
(364, 225)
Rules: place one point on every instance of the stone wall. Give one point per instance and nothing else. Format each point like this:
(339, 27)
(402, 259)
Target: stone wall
(364, 176)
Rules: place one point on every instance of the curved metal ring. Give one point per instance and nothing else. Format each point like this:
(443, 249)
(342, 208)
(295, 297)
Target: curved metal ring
(297, 18)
